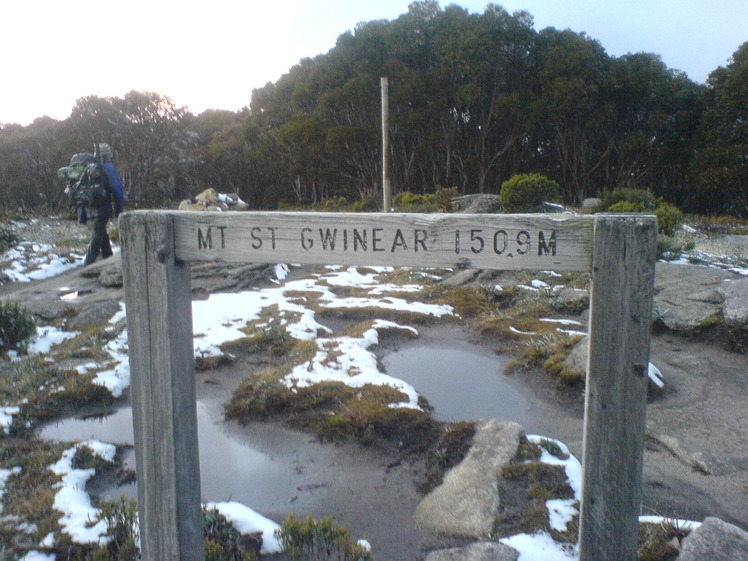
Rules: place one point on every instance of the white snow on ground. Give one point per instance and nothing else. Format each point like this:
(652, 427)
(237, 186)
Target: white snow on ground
(73, 501)
(247, 521)
(6, 416)
(348, 360)
(31, 261)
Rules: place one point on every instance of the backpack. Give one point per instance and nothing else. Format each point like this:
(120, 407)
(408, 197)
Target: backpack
(89, 189)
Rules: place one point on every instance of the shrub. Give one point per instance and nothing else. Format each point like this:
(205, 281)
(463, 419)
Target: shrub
(527, 192)
(439, 201)
(8, 238)
(122, 531)
(319, 540)
(641, 198)
(669, 218)
(222, 541)
(17, 326)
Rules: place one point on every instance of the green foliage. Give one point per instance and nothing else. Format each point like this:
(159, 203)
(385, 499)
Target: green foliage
(405, 201)
(319, 540)
(8, 238)
(527, 192)
(222, 540)
(17, 326)
(628, 200)
(121, 519)
(669, 217)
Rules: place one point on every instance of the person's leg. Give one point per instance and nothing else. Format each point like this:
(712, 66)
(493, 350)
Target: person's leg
(106, 245)
(97, 240)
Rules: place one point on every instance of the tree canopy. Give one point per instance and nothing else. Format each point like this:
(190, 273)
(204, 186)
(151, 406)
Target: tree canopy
(475, 99)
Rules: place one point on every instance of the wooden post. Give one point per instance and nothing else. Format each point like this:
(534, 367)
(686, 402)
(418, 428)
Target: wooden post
(386, 186)
(623, 261)
(159, 324)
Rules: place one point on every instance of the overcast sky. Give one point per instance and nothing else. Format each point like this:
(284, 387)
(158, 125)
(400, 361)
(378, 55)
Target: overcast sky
(212, 54)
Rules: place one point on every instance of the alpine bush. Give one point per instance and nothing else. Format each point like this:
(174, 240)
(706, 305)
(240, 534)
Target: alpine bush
(319, 540)
(17, 326)
(669, 217)
(527, 192)
(8, 238)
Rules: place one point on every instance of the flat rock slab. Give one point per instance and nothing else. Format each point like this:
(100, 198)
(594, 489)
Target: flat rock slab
(466, 503)
(688, 297)
(735, 306)
(481, 551)
(715, 540)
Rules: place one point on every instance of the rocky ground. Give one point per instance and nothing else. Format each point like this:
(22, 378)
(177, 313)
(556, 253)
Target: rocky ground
(696, 459)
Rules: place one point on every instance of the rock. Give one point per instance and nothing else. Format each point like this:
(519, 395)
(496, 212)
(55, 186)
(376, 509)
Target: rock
(576, 361)
(687, 297)
(461, 278)
(591, 203)
(95, 314)
(210, 199)
(476, 204)
(735, 305)
(467, 502)
(715, 540)
(676, 448)
(481, 551)
(111, 277)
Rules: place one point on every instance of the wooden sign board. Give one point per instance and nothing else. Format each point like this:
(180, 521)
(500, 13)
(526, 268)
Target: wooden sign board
(526, 242)
(157, 247)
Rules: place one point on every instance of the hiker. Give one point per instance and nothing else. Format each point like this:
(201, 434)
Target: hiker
(96, 192)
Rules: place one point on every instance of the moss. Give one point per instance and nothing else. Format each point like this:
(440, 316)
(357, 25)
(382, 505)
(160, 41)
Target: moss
(451, 447)
(659, 541)
(549, 352)
(543, 481)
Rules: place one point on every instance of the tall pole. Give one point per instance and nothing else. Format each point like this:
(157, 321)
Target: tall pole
(386, 187)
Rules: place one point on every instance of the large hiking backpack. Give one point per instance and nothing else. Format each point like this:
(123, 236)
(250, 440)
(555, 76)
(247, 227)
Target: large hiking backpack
(86, 182)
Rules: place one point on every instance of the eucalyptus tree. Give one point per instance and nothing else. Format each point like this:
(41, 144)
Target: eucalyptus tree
(148, 134)
(574, 115)
(657, 114)
(720, 168)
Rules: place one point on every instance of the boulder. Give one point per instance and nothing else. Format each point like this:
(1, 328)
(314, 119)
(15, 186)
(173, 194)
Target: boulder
(467, 501)
(97, 313)
(476, 204)
(735, 305)
(715, 540)
(210, 199)
(688, 297)
(480, 551)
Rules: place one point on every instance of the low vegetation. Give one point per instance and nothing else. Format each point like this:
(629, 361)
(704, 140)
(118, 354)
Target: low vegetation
(320, 540)
(16, 327)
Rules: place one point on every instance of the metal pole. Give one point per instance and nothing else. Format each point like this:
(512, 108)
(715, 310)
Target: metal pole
(386, 187)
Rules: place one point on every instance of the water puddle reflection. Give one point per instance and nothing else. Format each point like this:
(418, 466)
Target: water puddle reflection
(462, 382)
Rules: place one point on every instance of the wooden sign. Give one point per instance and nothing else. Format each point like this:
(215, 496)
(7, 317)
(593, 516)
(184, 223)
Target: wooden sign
(157, 247)
(534, 242)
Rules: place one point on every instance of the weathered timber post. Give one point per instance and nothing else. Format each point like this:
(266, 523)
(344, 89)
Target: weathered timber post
(386, 185)
(623, 262)
(159, 325)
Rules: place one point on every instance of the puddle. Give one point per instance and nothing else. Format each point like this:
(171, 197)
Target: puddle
(462, 382)
(221, 480)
